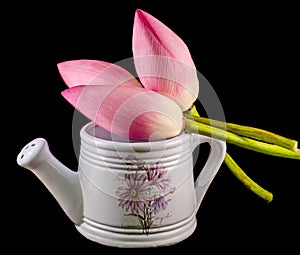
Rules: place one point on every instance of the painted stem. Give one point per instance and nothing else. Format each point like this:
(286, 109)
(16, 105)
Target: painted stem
(244, 142)
(248, 182)
(246, 131)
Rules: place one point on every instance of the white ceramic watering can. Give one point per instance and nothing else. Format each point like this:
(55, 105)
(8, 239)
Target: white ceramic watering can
(128, 194)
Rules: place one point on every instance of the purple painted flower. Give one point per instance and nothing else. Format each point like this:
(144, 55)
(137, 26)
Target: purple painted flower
(159, 205)
(134, 195)
(157, 175)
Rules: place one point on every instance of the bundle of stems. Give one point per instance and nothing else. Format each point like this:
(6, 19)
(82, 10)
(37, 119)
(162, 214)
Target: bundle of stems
(246, 137)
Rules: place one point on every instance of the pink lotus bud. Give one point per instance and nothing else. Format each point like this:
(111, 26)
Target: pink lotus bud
(163, 61)
(128, 111)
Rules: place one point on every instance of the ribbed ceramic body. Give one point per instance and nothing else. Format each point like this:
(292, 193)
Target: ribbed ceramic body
(140, 194)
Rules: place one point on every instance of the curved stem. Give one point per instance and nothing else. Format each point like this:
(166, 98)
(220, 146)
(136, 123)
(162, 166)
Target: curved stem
(244, 142)
(249, 183)
(246, 131)
(239, 173)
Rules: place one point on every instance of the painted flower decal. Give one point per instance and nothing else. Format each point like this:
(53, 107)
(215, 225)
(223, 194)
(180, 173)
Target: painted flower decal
(134, 195)
(159, 204)
(144, 191)
(157, 175)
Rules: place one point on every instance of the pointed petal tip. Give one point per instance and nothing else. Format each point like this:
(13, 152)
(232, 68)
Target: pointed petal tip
(72, 94)
(142, 12)
(141, 15)
(139, 11)
(65, 93)
(94, 72)
(60, 66)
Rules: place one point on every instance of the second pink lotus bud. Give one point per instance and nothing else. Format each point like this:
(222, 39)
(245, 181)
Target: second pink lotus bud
(128, 111)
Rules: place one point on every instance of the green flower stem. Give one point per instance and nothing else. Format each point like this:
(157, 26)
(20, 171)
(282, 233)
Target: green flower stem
(265, 142)
(246, 131)
(249, 183)
(239, 173)
(244, 142)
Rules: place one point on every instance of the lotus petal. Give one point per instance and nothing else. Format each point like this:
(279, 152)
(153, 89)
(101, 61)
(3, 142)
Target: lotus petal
(94, 72)
(128, 111)
(163, 61)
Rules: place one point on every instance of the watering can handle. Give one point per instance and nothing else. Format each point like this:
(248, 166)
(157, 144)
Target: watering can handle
(212, 165)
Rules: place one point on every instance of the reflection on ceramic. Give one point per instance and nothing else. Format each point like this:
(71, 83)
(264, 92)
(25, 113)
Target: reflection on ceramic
(126, 193)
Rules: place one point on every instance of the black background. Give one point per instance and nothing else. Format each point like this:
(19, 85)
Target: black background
(249, 54)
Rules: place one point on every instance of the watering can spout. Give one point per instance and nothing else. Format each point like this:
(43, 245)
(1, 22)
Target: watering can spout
(62, 182)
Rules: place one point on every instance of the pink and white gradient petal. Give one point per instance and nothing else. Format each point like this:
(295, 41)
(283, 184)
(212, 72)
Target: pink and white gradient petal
(128, 111)
(94, 72)
(163, 61)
